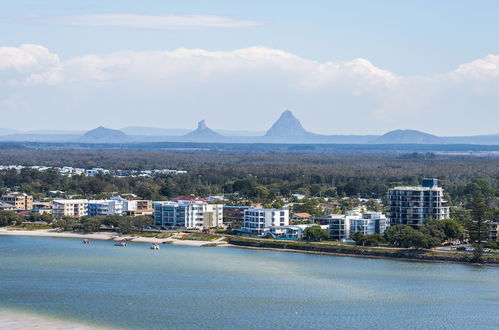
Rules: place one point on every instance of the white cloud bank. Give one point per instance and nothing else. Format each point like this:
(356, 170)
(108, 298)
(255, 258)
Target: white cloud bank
(154, 21)
(241, 89)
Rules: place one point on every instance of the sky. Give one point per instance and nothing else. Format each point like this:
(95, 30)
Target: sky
(342, 67)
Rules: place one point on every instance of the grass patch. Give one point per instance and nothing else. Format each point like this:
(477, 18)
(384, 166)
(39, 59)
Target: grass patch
(30, 226)
(200, 237)
(155, 235)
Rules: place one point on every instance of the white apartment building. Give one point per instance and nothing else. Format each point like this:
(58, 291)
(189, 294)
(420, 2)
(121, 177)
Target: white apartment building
(413, 205)
(342, 227)
(105, 207)
(257, 220)
(69, 208)
(189, 214)
(292, 232)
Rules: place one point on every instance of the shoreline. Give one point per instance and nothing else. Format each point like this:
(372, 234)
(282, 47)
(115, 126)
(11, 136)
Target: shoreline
(365, 256)
(106, 236)
(218, 243)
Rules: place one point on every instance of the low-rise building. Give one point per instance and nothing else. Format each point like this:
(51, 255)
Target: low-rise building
(188, 213)
(105, 207)
(134, 207)
(342, 227)
(234, 215)
(69, 208)
(42, 207)
(21, 201)
(293, 232)
(258, 220)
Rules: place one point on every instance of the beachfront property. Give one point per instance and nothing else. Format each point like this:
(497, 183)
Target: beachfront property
(188, 214)
(42, 207)
(258, 220)
(105, 207)
(69, 208)
(413, 205)
(20, 201)
(293, 232)
(135, 207)
(342, 227)
(234, 214)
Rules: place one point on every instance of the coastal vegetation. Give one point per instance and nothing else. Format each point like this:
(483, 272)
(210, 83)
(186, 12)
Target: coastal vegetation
(367, 251)
(258, 177)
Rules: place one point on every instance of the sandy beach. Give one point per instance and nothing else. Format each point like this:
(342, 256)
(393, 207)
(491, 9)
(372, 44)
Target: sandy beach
(14, 320)
(105, 236)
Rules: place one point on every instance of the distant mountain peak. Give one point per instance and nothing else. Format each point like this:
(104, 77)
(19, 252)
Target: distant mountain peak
(202, 125)
(408, 136)
(287, 126)
(203, 132)
(103, 134)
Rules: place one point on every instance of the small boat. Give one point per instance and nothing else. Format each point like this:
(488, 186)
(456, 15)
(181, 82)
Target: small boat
(155, 246)
(121, 242)
(86, 241)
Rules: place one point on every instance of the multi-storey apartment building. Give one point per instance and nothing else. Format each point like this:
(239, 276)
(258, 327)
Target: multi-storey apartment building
(69, 208)
(234, 214)
(257, 220)
(413, 205)
(190, 214)
(342, 227)
(105, 207)
(135, 207)
(20, 201)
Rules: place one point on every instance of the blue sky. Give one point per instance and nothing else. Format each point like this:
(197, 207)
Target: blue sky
(418, 46)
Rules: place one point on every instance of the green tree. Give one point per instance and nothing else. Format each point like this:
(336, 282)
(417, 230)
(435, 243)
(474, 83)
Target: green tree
(66, 224)
(8, 218)
(406, 237)
(315, 234)
(478, 226)
(90, 225)
(311, 206)
(367, 240)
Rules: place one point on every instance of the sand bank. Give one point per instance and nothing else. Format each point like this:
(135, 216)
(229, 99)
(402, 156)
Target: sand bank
(104, 236)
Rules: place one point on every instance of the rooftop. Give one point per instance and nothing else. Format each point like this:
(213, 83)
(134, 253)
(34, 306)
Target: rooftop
(417, 188)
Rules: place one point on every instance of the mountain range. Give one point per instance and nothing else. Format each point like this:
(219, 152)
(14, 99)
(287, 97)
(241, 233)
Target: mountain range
(287, 129)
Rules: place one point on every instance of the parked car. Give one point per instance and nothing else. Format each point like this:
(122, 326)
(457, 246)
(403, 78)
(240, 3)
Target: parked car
(486, 250)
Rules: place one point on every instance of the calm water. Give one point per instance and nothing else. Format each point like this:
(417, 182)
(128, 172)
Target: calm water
(190, 287)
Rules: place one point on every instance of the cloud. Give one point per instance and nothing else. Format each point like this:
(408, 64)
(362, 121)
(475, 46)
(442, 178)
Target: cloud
(154, 21)
(245, 89)
(26, 57)
(198, 65)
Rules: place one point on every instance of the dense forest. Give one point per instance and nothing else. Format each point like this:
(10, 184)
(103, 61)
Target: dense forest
(258, 177)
